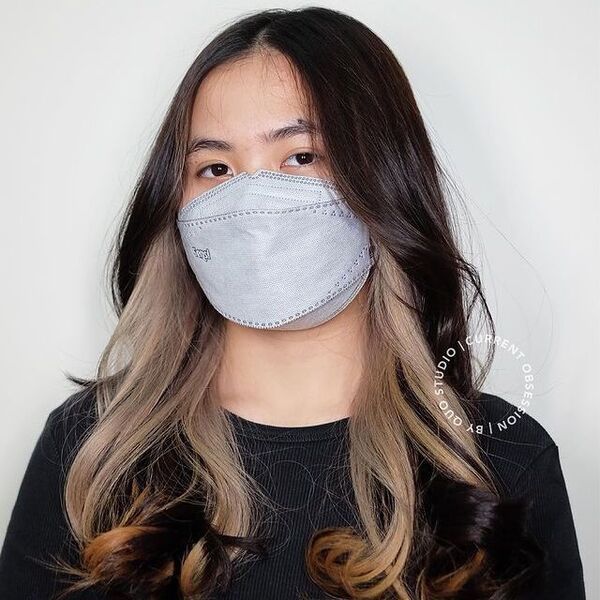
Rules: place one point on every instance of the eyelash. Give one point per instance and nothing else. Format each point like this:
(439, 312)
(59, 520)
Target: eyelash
(316, 158)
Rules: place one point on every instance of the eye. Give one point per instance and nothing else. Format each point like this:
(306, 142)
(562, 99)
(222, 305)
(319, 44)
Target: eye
(214, 170)
(303, 158)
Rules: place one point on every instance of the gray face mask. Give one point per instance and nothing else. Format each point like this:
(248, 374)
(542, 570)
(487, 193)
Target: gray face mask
(276, 251)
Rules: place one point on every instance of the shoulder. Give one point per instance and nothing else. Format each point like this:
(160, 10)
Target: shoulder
(526, 462)
(512, 441)
(38, 529)
(69, 422)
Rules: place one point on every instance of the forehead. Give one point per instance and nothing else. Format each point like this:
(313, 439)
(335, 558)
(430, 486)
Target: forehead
(251, 94)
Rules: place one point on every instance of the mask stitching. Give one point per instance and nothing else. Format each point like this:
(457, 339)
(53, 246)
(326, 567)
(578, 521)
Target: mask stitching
(285, 176)
(301, 313)
(204, 205)
(258, 196)
(251, 211)
(312, 181)
(318, 303)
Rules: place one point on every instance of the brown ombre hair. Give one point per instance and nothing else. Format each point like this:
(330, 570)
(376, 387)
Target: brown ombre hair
(157, 497)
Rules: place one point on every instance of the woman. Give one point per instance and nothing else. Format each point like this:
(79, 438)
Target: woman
(267, 420)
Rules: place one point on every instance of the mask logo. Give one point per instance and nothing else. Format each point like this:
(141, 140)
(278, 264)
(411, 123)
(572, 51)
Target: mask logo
(203, 253)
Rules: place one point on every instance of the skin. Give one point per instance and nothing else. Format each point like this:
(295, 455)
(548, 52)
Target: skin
(276, 377)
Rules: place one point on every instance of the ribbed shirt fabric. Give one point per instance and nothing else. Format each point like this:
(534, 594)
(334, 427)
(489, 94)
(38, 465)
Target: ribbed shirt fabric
(302, 470)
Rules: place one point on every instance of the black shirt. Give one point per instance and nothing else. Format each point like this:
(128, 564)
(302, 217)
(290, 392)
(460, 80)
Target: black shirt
(297, 468)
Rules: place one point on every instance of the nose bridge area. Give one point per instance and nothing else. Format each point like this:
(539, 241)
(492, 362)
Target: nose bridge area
(264, 189)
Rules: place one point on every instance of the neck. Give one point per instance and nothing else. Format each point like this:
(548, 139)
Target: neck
(294, 378)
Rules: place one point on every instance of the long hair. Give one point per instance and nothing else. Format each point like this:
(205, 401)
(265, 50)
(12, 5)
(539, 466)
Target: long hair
(156, 495)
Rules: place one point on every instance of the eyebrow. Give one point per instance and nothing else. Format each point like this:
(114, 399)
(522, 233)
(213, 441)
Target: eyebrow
(300, 126)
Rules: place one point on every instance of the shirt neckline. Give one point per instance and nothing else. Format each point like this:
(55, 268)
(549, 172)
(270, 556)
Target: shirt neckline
(280, 433)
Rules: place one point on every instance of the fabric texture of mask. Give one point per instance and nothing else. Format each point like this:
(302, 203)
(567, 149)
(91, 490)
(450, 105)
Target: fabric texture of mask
(276, 251)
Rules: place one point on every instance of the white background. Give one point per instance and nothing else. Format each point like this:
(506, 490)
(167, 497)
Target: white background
(508, 89)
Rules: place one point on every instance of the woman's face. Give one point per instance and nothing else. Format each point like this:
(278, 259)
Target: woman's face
(247, 116)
